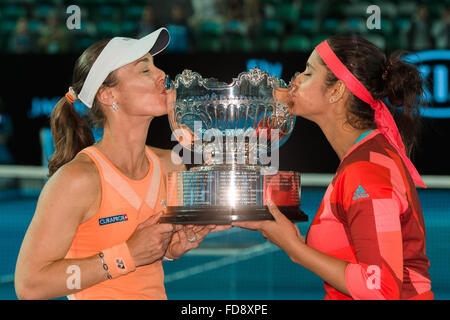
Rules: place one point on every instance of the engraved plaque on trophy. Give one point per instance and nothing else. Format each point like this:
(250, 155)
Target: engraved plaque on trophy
(234, 131)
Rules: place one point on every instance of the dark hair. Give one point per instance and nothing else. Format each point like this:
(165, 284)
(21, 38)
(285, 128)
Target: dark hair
(385, 78)
(70, 131)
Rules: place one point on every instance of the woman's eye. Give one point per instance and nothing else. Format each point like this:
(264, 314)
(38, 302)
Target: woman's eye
(146, 71)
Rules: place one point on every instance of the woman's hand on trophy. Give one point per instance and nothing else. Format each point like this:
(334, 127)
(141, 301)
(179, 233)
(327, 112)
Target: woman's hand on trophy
(150, 240)
(221, 228)
(280, 231)
(187, 238)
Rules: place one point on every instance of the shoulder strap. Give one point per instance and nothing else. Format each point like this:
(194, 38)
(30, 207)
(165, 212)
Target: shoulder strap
(154, 187)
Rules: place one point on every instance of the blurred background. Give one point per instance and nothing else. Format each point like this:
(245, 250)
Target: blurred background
(41, 39)
(38, 26)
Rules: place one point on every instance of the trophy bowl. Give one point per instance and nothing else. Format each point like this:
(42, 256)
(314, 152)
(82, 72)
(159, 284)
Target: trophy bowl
(235, 131)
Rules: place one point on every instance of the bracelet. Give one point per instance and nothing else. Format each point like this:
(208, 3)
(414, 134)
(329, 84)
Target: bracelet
(105, 266)
(166, 259)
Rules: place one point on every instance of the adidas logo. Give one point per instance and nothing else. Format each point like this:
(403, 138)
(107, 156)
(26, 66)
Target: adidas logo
(360, 193)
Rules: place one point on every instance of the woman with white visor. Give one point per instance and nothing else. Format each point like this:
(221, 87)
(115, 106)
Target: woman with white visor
(95, 232)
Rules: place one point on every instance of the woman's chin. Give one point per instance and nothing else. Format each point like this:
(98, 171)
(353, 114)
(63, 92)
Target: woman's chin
(159, 113)
(156, 110)
(290, 106)
(294, 109)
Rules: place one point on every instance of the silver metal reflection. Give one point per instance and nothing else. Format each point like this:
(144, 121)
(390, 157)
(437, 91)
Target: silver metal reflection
(235, 131)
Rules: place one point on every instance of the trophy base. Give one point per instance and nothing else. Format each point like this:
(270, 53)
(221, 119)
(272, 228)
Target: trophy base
(224, 215)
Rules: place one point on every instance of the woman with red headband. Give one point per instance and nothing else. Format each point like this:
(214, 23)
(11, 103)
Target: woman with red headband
(95, 232)
(367, 240)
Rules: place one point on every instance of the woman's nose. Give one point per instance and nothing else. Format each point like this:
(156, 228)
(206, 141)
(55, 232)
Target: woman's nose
(161, 75)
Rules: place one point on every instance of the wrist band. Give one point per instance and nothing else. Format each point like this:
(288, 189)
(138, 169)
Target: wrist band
(118, 260)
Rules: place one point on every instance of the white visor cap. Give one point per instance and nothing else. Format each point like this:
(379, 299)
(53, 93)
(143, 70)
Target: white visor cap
(118, 52)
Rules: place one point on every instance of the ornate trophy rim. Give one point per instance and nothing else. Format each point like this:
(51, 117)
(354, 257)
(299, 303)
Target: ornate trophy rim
(255, 91)
(254, 76)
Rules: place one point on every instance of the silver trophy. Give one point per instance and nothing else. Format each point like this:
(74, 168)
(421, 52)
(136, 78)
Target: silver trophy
(234, 131)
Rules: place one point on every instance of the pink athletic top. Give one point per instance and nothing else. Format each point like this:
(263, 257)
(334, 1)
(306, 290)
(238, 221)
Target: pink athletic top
(371, 217)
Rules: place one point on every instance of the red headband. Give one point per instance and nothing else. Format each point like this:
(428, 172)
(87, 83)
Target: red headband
(383, 118)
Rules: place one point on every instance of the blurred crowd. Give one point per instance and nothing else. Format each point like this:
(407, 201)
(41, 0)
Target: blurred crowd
(39, 26)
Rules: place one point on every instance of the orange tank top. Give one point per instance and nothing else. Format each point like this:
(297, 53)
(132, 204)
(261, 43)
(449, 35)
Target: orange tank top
(125, 203)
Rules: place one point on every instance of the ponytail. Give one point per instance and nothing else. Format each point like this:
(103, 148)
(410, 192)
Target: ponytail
(403, 85)
(71, 134)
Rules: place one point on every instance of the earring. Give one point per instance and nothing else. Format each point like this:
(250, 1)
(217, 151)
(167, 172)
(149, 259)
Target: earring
(331, 100)
(115, 107)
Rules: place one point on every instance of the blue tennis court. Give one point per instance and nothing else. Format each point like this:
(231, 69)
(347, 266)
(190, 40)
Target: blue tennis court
(238, 264)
